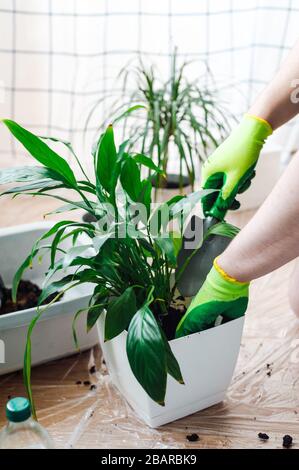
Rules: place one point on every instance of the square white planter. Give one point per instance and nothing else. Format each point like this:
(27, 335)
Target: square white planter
(207, 360)
(52, 337)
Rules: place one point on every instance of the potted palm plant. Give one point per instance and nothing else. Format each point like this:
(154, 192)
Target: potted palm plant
(185, 119)
(128, 255)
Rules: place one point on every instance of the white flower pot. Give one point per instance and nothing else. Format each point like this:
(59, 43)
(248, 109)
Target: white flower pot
(207, 360)
(52, 336)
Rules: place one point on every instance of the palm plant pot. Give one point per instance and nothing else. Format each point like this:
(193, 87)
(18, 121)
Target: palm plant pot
(52, 338)
(207, 361)
(173, 185)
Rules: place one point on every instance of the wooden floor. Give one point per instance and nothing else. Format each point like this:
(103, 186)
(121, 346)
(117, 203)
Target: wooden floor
(261, 398)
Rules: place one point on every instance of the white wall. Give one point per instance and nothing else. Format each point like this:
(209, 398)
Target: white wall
(58, 57)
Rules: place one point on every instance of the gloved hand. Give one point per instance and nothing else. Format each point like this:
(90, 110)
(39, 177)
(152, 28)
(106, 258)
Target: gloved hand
(231, 167)
(219, 295)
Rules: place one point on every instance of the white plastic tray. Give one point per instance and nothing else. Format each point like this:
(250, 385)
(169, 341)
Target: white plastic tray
(52, 337)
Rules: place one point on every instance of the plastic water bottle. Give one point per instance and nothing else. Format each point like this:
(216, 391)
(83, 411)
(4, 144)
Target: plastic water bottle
(22, 431)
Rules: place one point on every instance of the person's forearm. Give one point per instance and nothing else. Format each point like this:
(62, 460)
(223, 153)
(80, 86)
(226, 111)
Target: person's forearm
(271, 238)
(274, 103)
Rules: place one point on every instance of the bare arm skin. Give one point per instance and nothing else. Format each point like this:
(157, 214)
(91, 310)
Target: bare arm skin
(274, 102)
(271, 238)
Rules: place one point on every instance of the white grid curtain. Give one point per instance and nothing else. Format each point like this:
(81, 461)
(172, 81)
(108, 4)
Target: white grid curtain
(58, 57)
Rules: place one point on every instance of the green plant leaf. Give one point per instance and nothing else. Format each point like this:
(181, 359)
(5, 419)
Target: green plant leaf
(146, 354)
(73, 252)
(106, 160)
(128, 112)
(101, 297)
(120, 311)
(144, 196)
(177, 241)
(18, 275)
(41, 152)
(81, 277)
(166, 246)
(27, 364)
(130, 179)
(172, 364)
(224, 229)
(47, 185)
(147, 162)
(26, 173)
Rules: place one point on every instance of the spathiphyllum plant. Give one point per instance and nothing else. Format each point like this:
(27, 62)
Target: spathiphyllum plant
(129, 253)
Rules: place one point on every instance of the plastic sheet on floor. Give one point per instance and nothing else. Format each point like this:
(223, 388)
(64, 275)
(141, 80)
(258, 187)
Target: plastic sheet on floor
(263, 396)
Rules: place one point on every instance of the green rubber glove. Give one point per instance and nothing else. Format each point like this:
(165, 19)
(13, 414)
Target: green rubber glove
(219, 295)
(231, 167)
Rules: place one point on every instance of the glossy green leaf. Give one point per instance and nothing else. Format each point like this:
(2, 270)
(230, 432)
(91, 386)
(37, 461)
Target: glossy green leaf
(144, 195)
(172, 364)
(100, 302)
(106, 160)
(120, 311)
(146, 354)
(130, 179)
(41, 152)
(224, 229)
(147, 162)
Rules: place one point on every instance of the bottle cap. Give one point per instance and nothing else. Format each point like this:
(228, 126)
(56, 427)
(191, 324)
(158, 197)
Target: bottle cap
(18, 409)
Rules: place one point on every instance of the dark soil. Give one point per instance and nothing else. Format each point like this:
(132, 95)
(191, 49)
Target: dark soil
(170, 322)
(86, 383)
(263, 436)
(28, 294)
(287, 441)
(192, 437)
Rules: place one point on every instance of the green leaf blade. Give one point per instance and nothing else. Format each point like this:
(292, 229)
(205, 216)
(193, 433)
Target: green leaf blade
(41, 152)
(106, 159)
(119, 313)
(146, 354)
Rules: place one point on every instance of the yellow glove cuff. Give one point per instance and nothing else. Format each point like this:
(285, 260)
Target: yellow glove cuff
(226, 276)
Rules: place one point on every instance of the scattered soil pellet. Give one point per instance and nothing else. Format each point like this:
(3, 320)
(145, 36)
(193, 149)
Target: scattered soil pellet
(287, 441)
(78, 382)
(257, 371)
(86, 382)
(92, 387)
(263, 436)
(92, 370)
(269, 373)
(192, 437)
(8, 397)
